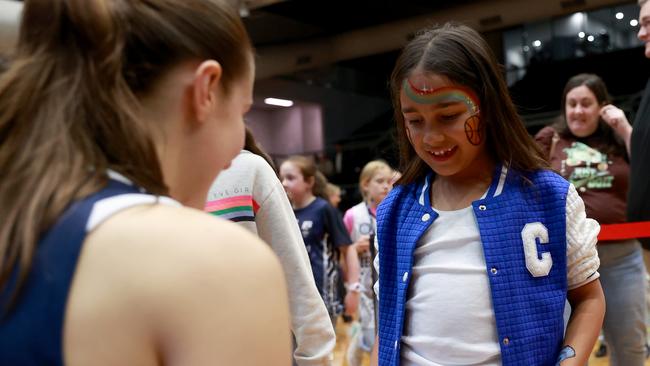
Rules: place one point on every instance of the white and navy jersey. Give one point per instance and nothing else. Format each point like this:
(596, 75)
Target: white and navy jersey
(324, 233)
(32, 332)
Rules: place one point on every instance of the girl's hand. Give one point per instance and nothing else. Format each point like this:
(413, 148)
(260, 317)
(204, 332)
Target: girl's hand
(616, 119)
(362, 244)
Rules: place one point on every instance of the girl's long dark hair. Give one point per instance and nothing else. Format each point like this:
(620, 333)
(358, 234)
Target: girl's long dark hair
(462, 55)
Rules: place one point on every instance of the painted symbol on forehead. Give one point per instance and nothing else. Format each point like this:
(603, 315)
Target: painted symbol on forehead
(418, 88)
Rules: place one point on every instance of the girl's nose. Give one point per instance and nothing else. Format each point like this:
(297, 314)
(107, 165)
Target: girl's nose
(433, 135)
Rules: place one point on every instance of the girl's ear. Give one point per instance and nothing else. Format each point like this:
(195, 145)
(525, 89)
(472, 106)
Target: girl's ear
(205, 88)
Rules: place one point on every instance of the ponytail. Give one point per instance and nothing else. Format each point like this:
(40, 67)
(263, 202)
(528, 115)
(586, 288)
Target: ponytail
(320, 185)
(251, 145)
(69, 103)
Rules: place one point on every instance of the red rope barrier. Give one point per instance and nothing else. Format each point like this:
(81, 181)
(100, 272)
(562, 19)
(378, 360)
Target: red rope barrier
(630, 230)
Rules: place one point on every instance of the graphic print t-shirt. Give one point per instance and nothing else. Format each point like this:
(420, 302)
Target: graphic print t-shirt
(600, 178)
(324, 233)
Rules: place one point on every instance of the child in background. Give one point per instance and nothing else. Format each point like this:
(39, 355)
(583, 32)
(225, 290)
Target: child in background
(322, 231)
(250, 193)
(333, 193)
(479, 244)
(374, 184)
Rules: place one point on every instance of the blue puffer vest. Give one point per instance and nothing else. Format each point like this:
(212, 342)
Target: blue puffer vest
(528, 287)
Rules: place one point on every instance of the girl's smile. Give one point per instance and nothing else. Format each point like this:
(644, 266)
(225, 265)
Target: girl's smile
(442, 155)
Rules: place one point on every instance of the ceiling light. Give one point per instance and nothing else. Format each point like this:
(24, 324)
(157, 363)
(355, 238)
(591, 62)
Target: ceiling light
(577, 18)
(278, 102)
(619, 15)
(537, 43)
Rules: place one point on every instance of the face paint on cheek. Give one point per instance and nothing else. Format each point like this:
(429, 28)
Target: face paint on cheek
(418, 88)
(473, 130)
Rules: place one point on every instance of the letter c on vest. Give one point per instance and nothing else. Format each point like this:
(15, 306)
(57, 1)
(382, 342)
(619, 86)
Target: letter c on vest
(537, 267)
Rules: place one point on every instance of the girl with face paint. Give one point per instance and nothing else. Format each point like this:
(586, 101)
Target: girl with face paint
(480, 245)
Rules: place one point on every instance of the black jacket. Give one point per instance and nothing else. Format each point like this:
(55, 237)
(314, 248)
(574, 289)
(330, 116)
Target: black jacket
(638, 203)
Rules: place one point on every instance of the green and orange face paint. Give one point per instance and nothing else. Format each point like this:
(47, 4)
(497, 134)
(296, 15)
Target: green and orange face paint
(418, 89)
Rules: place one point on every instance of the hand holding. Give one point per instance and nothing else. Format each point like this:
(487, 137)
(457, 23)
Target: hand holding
(615, 118)
(362, 244)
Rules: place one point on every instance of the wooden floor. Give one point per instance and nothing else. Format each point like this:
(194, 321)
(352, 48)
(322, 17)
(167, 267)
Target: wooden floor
(604, 361)
(343, 330)
(342, 340)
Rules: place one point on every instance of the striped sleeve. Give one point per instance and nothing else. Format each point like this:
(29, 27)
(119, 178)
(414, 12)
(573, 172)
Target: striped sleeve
(236, 208)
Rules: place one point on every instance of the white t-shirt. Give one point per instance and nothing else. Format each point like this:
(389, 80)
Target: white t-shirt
(449, 316)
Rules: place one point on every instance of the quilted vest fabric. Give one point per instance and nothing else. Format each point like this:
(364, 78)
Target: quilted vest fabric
(528, 308)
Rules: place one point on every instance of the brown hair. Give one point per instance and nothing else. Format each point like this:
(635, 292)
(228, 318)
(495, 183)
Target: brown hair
(462, 55)
(69, 102)
(309, 171)
(251, 145)
(331, 189)
(612, 143)
(4, 63)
